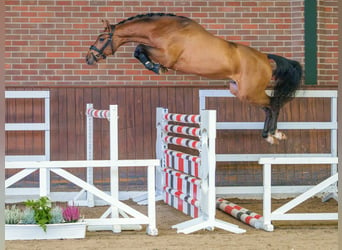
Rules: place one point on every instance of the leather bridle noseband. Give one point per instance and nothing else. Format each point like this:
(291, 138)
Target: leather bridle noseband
(100, 51)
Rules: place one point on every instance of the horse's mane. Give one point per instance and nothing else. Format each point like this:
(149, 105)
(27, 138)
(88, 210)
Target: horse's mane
(144, 15)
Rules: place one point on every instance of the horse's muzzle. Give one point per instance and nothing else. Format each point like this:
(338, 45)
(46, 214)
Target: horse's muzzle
(90, 59)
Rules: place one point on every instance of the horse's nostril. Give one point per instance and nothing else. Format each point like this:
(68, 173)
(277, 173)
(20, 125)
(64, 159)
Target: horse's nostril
(88, 61)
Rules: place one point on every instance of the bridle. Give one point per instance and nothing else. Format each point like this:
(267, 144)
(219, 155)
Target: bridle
(100, 51)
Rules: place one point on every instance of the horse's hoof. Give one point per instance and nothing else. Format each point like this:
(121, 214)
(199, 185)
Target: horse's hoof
(162, 69)
(271, 139)
(159, 69)
(276, 137)
(279, 135)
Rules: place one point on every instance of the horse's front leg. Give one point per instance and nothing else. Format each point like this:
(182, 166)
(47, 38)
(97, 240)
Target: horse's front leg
(142, 54)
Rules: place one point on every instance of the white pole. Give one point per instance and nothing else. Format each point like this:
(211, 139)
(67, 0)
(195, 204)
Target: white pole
(90, 153)
(334, 133)
(44, 174)
(208, 131)
(152, 227)
(160, 147)
(114, 170)
(47, 138)
(267, 175)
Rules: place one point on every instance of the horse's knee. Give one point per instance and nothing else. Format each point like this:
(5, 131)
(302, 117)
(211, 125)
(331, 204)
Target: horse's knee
(141, 54)
(138, 51)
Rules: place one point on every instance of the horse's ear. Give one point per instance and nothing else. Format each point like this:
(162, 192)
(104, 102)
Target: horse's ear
(106, 24)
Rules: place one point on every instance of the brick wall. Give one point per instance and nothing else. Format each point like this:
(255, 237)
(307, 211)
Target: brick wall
(46, 41)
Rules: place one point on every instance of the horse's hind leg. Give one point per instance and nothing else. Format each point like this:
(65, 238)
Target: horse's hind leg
(266, 129)
(141, 53)
(273, 123)
(270, 132)
(261, 99)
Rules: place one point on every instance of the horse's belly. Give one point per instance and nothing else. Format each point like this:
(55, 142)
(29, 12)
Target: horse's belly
(204, 67)
(214, 62)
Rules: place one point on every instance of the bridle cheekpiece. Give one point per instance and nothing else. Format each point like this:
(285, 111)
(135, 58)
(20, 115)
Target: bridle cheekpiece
(100, 51)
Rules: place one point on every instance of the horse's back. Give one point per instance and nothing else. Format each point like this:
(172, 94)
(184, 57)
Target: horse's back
(171, 25)
(197, 51)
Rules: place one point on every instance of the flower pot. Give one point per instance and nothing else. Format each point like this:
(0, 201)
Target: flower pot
(53, 231)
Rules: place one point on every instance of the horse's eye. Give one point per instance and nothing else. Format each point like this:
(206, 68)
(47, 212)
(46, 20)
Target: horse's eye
(101, 39)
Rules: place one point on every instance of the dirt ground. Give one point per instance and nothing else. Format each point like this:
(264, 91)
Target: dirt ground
(287, 235)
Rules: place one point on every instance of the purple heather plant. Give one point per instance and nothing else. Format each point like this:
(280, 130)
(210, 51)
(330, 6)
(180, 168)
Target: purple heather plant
(71, 214)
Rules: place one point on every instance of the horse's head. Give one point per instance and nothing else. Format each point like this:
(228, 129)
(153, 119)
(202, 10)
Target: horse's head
(103, 45)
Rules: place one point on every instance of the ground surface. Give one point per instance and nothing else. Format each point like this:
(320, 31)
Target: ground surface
(287, 235)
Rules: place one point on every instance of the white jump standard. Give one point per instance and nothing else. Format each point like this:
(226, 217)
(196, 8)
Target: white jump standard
(281, 213)
(327, 187)
(187, 181)
(122, 216)
(112, 116)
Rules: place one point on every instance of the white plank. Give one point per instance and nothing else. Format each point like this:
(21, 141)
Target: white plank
(27, 94)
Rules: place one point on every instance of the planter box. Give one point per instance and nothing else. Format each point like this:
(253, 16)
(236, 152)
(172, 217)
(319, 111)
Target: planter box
(54, 231)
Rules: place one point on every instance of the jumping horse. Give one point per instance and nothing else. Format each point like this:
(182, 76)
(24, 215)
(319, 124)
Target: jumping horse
(167, 41)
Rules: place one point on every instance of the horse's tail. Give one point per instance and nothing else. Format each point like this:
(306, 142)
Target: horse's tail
(287, 77)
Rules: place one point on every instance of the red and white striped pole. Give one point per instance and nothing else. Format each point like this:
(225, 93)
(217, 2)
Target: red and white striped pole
(240, 213)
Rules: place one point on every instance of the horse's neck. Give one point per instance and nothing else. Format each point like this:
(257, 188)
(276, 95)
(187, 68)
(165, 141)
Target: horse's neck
(133, 32)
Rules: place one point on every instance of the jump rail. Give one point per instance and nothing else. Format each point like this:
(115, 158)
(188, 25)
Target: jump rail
(186, 180)
(257, 190)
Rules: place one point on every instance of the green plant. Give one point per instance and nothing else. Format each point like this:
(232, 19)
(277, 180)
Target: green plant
(41, 212)
(12, 215)
(28, 216)
(42, 208)
(56, 215)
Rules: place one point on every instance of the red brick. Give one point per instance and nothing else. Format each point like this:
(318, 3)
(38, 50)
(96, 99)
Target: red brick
(81, 3)
(63, 2)
(38, 8)
(250, 26)
(19, 8)
(233, 3)
(54, 55)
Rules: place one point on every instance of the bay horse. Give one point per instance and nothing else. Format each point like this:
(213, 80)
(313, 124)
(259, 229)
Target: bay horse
(167, 41)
